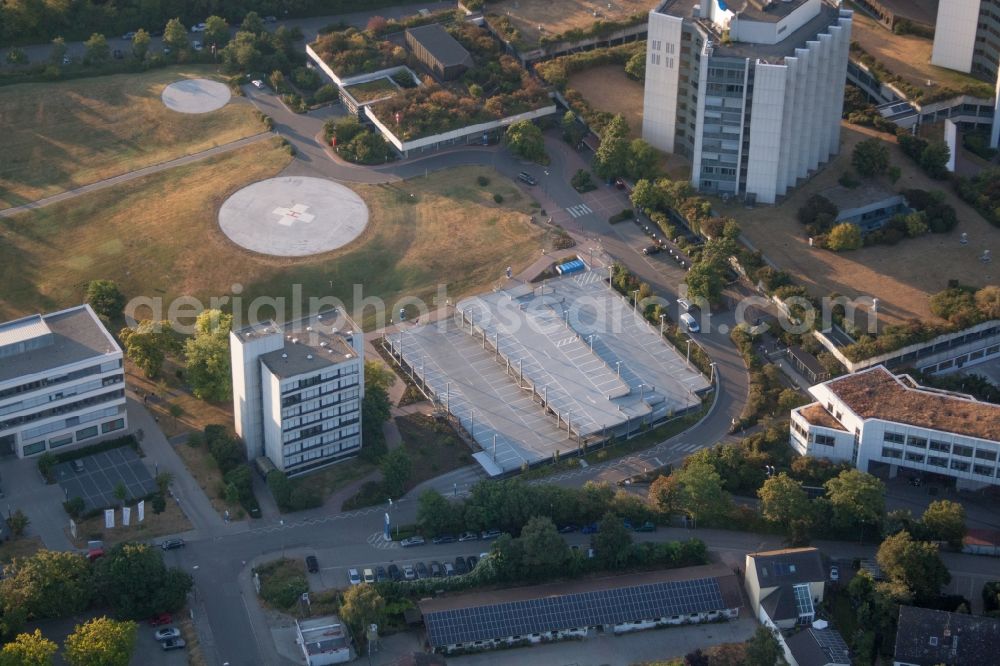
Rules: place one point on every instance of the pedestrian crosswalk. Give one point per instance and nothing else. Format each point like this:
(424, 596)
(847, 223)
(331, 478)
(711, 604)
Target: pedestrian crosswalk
(681, 446)
(579, 210)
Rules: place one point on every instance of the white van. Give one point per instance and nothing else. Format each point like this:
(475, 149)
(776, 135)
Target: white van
(684, 304)
(690, 323)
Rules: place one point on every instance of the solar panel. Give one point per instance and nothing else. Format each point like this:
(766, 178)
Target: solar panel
(803, 600)
(832, 644)
(535, 616)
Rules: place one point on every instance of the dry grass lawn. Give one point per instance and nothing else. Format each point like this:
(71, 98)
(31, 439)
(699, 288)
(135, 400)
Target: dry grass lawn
(171, 521)
(901, 276)
(908, 56)
(24, 546)
(62, 135)
(159, 237)
(202, 468)
(558, 17)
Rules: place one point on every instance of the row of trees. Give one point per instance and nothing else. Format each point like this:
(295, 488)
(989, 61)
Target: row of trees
(131, 579)
(97, 642)
(617, 156)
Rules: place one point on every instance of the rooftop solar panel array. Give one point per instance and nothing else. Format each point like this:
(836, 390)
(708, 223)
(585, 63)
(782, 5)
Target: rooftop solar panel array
(532, 616)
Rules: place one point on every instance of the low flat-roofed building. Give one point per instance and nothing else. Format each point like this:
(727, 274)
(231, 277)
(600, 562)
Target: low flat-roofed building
(867, 206)
(62, 382)
(439, 51)
(616, 604)
(927, 637)
(323, 640)
(875, 418)
(785, 586)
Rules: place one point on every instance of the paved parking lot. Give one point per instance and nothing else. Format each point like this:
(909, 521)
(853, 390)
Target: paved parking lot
(102, 472)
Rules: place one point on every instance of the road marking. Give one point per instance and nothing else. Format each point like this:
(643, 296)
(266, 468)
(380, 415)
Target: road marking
(579, 210)
(658, 462)
(377, 541)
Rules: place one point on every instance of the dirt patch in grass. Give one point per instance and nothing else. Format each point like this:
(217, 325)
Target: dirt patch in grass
(159, 237)
(901, 276)
(908, 56)
(171, 521)
(25, 546)
(608, 88)
(65, 134)
(434, 447)
(558, 17)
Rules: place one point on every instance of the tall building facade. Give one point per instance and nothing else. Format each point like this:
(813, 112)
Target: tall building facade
(297, 390)
(62, 382)
(751, 91)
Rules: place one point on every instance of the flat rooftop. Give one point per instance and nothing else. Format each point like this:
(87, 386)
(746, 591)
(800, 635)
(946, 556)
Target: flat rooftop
(322, 634)
(768, 12)
(878, 394)
(570, 343)
(52, 341)
(846, 199)
(817, 415)
(442, 46)
(310, 343)
(560, 16)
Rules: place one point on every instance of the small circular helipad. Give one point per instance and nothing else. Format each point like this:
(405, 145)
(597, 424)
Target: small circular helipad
(196, 95)
(293, 216)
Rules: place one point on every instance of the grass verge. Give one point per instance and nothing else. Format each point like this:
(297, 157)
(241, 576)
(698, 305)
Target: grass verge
(171, 521)
(282, 582)
(20, 547)
(62, 135)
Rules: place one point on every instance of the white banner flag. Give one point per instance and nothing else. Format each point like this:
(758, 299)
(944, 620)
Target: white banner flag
(141, 510)
(72, 527)
(109, 518)
(126, 515)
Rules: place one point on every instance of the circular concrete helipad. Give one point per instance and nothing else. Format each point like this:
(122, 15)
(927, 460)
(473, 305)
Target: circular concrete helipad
(293, 216)
(196, 95)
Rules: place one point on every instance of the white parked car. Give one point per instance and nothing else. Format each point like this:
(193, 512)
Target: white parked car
(369, 576)
(167, 633)
(353, 577)
(198, 28)
(197, 46)
(690, 323)
(258, 83)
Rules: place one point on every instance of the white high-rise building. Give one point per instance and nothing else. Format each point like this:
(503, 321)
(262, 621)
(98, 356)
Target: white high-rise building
(967, 39)
(750, 90)
(297, 390)
(62, 382)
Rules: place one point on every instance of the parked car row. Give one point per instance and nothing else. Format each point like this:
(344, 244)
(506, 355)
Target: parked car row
(169, 638)
(417, 540)
(462, 564)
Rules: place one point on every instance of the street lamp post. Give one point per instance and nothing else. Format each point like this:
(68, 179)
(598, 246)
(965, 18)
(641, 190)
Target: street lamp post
(618, 368)
(689, 352)
(663, 318)
(590, 339)
(635, 300)
(447, 396)
(711, 379)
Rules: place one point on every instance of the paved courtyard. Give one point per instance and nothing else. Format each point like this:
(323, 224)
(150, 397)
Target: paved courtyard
(102, 472)
(543, 367)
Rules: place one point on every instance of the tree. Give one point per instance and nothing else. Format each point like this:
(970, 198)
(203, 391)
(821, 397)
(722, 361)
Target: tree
(396, 467)
(101, 642)
(133, 580)
(844, 236)
(175, 35)
(253, 24)
(705, 281)
(375, 408)
(613, 152)
(105, 298)
(435, 514)
(665, 495)
(140, 44)
(783, 501)
(646, 196)
(871, 157)
(97, 51)
(857, 499)
(148, 344)
(945, 520)
(612, 542)
(525, 140)
(643, 160)
(916, 565)
(17, 56)
(28, 650)
(18, 522)
(988, 301)
(702, 496)
(573, 132)
(48, 584)
(208, 361)
(934, 159)
(58, 51)
(216, 31)
(762, 649)
(362, 605)
(636, 66)
(544, 551)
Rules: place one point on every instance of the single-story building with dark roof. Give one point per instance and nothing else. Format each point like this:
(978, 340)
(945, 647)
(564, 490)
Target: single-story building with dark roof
(613, 604)
(867, 206)
(927, 637)
(439, 51)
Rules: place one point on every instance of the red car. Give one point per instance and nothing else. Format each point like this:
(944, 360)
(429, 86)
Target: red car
(161, 619)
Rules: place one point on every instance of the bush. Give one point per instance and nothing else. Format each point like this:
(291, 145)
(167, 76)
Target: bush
(582, 181)
(848, 180)
(482, 181)
(626, 214)
(978, 143)
(74, 507)
(498, 198)
(844, 236)
(326, 93)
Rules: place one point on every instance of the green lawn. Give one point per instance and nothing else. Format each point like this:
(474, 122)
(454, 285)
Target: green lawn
(61, 135)
(372, 90)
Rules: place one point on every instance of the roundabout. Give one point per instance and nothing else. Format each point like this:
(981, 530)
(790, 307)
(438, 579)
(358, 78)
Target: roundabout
(293, 216)
(196, 96)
